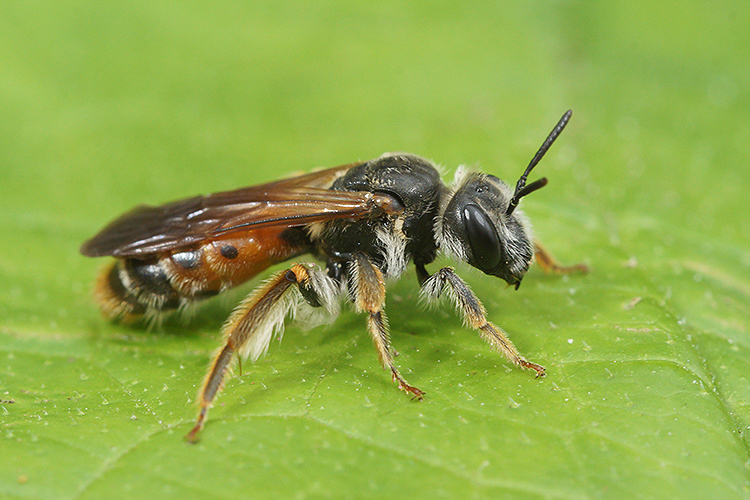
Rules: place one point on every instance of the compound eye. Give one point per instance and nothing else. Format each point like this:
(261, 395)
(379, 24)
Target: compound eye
(483, 239)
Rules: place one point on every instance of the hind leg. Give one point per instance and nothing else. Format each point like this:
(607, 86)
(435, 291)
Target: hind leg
(249, 329)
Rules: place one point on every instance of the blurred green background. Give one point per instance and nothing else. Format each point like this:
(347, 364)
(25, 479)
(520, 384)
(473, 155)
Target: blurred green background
(106, 105)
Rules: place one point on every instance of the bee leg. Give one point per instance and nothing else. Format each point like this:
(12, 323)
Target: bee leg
(368, 293)
(550, 265)
(249, 329)
(422, 274)
(474, 314)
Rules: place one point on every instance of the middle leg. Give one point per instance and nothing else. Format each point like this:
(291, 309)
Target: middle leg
(368, 293)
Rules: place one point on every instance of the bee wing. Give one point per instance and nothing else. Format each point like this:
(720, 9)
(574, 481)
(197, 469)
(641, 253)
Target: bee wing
(285, 203)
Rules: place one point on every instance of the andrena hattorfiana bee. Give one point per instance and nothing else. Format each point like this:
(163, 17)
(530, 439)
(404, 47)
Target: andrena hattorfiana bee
(366, 221)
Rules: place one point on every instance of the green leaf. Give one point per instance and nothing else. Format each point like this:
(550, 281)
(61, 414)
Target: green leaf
(110, 105)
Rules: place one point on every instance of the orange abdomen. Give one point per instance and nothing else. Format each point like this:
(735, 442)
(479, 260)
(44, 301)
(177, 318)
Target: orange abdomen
(132, 287)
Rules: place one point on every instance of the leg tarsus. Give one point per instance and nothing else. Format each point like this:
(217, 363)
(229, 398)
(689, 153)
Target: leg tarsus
(549, 264)
(192, 436)
(211, 386)
(406, 387)
(539, 369)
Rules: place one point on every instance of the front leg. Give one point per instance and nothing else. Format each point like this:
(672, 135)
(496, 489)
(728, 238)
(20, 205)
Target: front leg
(473, 313)
(368, 293)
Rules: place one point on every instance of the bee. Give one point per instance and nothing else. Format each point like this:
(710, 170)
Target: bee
(366, 221)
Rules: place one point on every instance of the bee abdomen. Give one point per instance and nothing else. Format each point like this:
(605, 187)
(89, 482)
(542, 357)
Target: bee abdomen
(133, 287)
(130, 288)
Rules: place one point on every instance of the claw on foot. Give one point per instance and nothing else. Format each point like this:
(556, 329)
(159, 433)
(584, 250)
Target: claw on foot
(539, 369)
(192, 436)
(409, 389)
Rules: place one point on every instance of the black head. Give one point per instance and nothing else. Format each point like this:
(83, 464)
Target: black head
(480, 223)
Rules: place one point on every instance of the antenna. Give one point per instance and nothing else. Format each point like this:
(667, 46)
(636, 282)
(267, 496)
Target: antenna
(521, 188)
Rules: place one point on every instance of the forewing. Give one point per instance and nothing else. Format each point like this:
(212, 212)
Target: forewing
(285, 203)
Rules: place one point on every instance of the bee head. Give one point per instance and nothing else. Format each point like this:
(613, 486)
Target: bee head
(480, 223)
